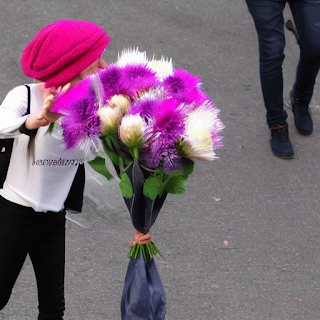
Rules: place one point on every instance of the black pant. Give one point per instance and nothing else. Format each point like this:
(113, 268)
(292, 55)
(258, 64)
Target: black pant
(41, 235)
(269, 22)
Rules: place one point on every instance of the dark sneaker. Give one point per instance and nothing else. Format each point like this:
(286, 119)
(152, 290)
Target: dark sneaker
(280, 143)
(302, 117)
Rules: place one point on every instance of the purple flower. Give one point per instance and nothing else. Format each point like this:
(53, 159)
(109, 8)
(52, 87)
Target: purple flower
(185, 87)
(81, 124)
(165, 128)
(158, 152)
(145, 108)
(111, 80)
(65, 103)
(137, 78)
(172, 161)
(169, 119)
(149, 102)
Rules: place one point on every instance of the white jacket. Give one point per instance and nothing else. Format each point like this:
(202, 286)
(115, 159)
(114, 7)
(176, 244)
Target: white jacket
(40, 179)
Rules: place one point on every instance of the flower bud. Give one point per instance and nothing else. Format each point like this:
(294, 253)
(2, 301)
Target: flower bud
(131, 130)
(109, 118)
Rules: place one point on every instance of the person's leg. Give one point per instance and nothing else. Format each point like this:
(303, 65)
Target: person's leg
(306, 15)
(48, 258)
(269, 23)
(13, 248)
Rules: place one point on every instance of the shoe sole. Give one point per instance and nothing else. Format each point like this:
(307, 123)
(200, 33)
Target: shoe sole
(304, 133)
(282, 156)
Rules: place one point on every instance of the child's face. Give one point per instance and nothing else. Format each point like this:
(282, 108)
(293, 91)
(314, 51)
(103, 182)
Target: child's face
(93, 68)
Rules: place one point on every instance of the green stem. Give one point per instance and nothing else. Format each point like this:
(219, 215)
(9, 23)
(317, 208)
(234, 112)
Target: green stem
(148, 251)
(121, 166)
(136, 153)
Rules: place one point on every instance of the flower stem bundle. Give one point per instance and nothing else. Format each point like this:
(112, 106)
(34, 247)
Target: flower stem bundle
(148, 251)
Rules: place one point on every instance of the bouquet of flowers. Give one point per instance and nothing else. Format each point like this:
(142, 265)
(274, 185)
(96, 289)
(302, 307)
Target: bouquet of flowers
(153, 121)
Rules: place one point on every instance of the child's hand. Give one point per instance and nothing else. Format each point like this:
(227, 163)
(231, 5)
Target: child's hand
(141, 238)
(45, 116)
(46, 113)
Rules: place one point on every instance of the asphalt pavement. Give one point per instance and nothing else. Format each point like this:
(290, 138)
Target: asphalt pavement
(243, 242)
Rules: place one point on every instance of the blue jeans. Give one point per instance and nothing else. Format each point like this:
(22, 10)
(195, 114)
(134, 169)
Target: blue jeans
(269, 23)
(41, 235)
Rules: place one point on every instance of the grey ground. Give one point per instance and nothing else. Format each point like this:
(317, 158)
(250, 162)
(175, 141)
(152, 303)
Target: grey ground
(243, 242)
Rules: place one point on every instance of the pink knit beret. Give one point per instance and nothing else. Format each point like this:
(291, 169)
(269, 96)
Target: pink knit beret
(62, 50)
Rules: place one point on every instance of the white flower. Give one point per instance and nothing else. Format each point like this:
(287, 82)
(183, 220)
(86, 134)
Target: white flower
(121, 102)
(131, 130)
(109, 118)
(198, 146)
(201, 125)
(206, 117)
(131, 56)
(163, 67)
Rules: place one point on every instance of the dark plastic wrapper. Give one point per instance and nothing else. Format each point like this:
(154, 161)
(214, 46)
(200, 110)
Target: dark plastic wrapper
(143, 296)
(143, 211)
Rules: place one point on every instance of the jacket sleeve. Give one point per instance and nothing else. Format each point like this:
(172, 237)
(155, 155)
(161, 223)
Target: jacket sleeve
(12, 112)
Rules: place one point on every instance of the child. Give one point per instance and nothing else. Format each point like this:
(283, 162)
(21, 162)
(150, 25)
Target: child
(40, 174)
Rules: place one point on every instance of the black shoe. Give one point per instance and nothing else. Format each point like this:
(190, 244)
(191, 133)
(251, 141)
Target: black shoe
(280, 143)
(302, 117)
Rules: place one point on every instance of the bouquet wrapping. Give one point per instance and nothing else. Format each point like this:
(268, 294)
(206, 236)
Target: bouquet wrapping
(153, 122)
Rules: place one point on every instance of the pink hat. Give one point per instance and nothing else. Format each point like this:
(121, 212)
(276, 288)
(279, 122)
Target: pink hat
(62, 50)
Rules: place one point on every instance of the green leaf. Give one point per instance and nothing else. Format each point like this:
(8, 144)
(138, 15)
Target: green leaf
(187, 166)
(176, 185)
(175, 173)
(112, 141)
(127, 161)
(152, 186)
(126, 186)
(113, 157)
(98, 164)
